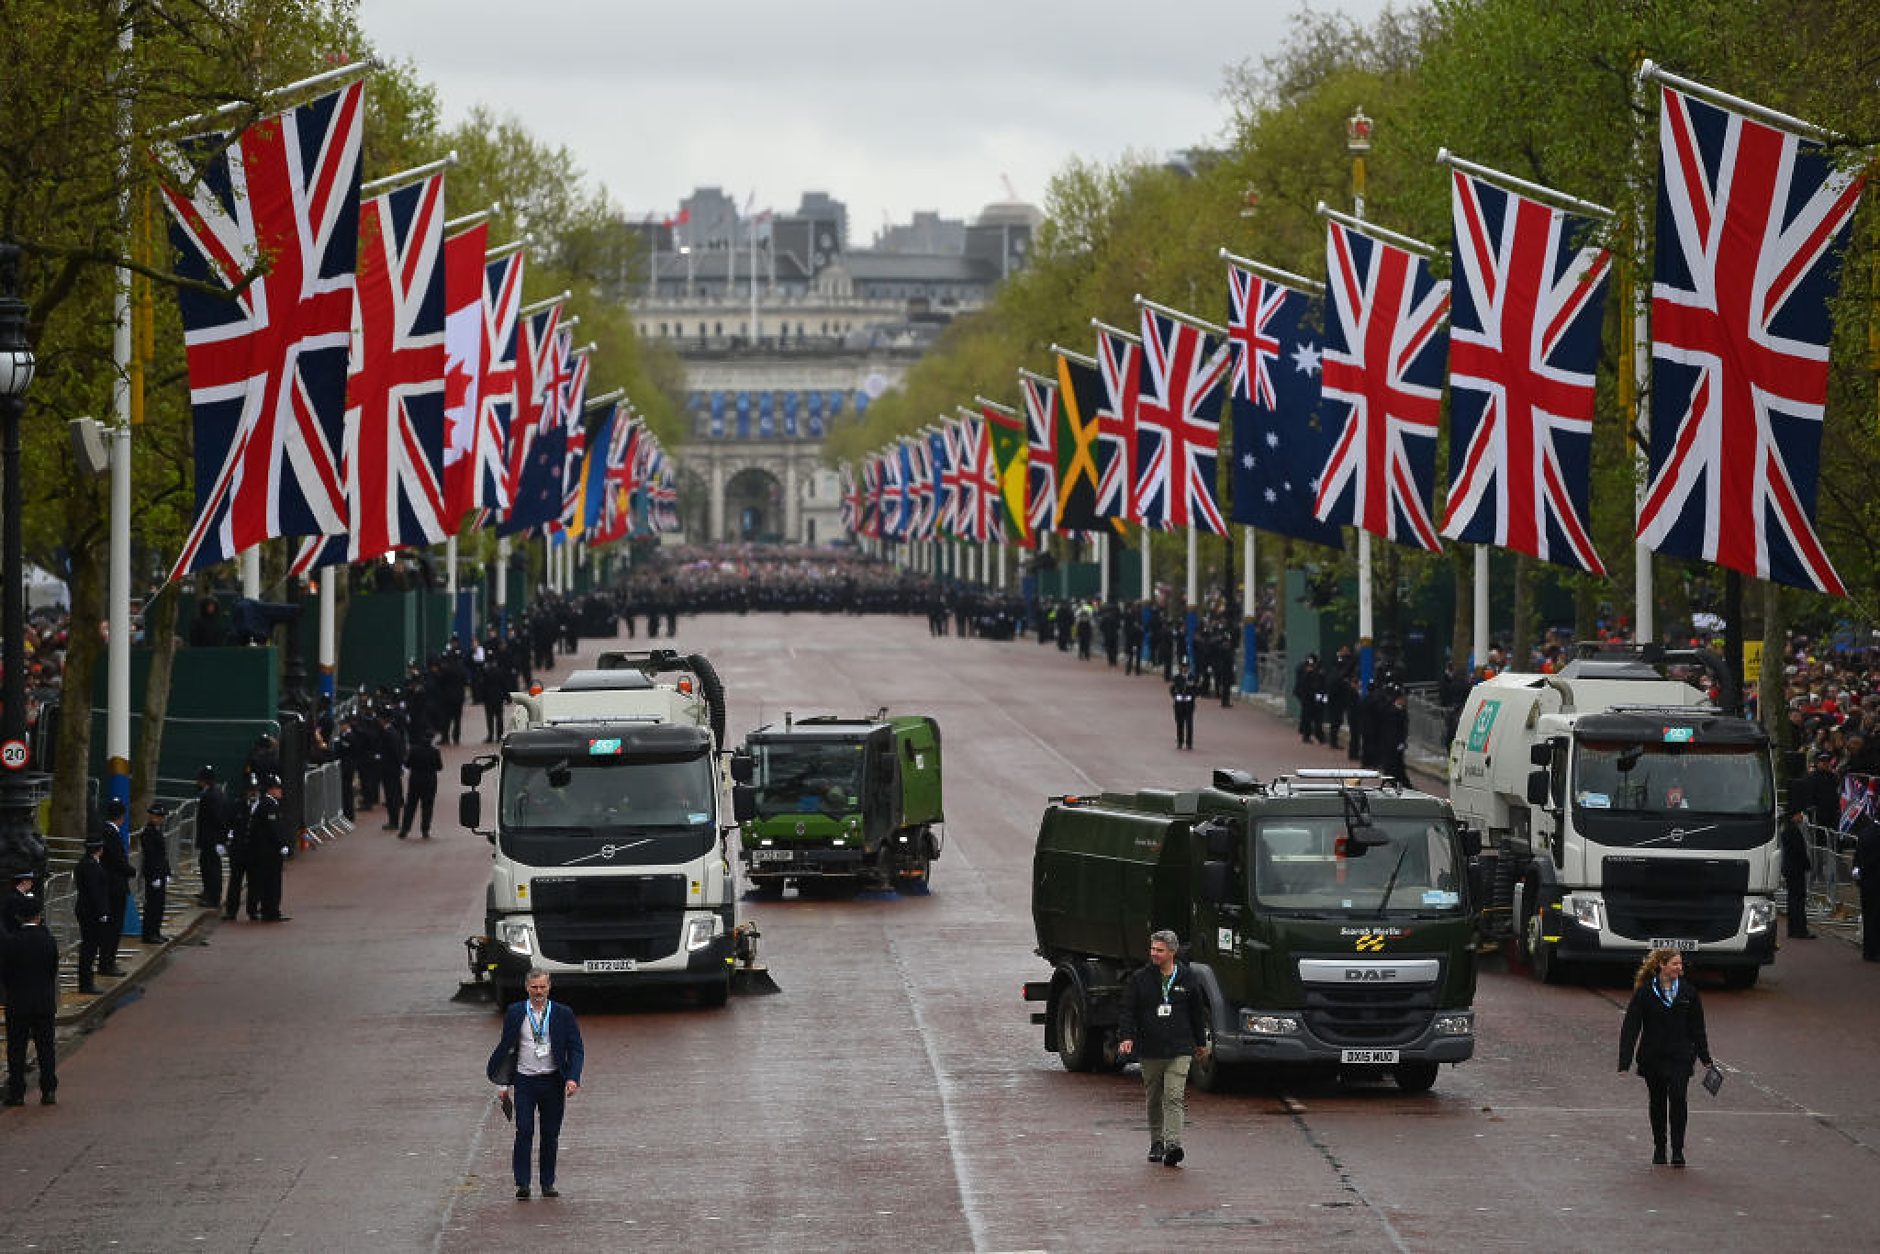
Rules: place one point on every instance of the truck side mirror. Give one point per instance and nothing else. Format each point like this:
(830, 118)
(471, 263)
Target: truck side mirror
(743, 768)
(470, 809)
(743, 802)
(1217, 882)
(1537, 787)
(1471, 842)
(470, 774)
(1219, 834)
(1542, 753)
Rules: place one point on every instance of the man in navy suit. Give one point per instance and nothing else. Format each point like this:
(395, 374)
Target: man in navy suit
(539, 1058)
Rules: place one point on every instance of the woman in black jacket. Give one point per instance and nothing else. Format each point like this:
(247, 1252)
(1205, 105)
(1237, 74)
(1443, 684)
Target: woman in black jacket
(1665, 1024)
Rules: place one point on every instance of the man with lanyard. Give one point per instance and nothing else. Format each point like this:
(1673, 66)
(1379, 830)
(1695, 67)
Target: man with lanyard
(539, 1057)
(1163, 1026)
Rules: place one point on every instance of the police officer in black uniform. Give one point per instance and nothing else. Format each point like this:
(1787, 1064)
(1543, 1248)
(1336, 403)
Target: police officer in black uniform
(1309, 690)
(92, 905)
(1181, 691)
(215, 820)
(267, 853)
(29, 967)
(118, 873)
(424, 763)
(153, 851)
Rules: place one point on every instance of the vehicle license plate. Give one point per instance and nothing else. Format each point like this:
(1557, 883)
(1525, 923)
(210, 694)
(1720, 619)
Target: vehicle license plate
(609, 964)
(1368, 1055)
(770, 855)
(1672, 942)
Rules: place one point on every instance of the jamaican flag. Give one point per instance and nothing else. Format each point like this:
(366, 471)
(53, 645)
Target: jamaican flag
(1080, 395)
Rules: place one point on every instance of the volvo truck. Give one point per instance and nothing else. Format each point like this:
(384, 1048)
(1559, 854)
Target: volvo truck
(1622, 809)
(611, 861)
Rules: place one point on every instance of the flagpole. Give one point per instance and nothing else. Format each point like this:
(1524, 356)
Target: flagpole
(251, 572)
(1191, 618)
(502, 587)
(404, 178)
(118, 627)
(1358, 142)
(1644, 630)
(1479, 648)
(1249, 605)
(329, 650)
(266, 98)
(473, 219)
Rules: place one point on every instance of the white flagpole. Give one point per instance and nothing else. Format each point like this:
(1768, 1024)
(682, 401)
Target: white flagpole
(502, 586)
(1479, 647)
(1249, 608)
(1103, 567)
(1358, 142)
(118, 637)
(329, 647)
(1644, 630)
(251, 572)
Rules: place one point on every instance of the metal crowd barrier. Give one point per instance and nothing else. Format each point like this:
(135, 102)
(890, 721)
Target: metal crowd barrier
(1275, 676)
(1429, 724)
(325, 813)
(1833, 897)
(61, 906)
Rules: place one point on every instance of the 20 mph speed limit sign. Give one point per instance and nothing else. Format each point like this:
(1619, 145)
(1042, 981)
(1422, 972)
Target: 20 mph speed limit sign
(13, 754)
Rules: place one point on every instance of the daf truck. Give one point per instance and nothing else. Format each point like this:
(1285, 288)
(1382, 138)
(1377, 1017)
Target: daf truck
(611, 863)
(1622, 810)
(841, 802)
(1326, 915)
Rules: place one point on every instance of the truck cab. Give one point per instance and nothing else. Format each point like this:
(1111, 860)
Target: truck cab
(609, 863)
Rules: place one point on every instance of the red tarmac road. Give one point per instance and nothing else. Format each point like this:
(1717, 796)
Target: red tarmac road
(312, 1086)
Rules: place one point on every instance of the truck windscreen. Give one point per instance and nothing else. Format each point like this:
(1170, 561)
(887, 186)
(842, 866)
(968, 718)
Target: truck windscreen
(1309, 864)
(558, 811)
(1647, 778)
(809, 777)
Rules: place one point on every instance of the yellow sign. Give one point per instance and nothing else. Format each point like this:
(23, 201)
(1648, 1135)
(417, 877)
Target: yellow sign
(1752, 663)
(1370, 942)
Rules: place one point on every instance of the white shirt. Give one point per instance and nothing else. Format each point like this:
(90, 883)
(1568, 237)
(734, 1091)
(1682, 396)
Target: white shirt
(528, 1062)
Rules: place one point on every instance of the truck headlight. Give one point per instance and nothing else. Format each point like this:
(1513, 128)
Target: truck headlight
(1455, 1025)
(1269, 1025)
(517, 938)
(1586, 912)
(699, 932)
(1762, 915)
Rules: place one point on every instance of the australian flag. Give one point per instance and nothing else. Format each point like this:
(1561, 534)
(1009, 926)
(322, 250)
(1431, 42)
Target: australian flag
(1279, 441)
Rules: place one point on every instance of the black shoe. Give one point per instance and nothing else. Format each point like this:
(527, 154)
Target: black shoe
(522, 1190)
(549, 1190)
(402, 835)
(427, 835)
(1658, 1156)
(1172, 1156)
(1677, 1158)
(278, 918)
(389, 827)
(115, 972)
(1155, 1151)
(47, 1099)
(158, 940)
(89, 990)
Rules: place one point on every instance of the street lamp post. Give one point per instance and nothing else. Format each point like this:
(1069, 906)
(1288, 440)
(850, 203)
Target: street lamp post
(21, 849)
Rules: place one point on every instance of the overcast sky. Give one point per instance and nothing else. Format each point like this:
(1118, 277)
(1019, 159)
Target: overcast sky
(889, 107)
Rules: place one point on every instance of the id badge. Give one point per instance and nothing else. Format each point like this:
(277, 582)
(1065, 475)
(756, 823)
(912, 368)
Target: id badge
(1164, 1010)
(541, 1049)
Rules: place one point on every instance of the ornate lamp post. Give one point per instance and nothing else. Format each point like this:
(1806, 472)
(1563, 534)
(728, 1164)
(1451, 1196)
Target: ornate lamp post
(20, 846)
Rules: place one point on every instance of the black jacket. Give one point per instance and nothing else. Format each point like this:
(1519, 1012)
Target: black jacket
(1182, 1030)
(1667, 1038)
(29, 967)
(155, 852)
(215, 818)
(92, 902)
(425, 763)
(1867, 855)
(117, 858)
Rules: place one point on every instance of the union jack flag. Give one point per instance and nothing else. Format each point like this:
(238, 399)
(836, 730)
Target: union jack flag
(574, 426)
(622, 464)
(893, 495)
(1116, 425)
(978, 481)
(1382, 387)
(851, 500)
(1041, 466)
(496, 400)
(1523, 345)
(1178, 424)
(920, 484)
(394, 453)
(535, 432)
(1752, 223)
(1252, 303)
(267, 365)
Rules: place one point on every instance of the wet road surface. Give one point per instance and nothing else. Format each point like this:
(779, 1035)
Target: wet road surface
(312, 1086)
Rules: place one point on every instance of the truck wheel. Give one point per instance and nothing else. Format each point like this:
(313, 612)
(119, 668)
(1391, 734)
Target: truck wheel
(1415, 1077)
(1078, 1049)
(1211, 1076)
(1541, 959)
(1741, 977)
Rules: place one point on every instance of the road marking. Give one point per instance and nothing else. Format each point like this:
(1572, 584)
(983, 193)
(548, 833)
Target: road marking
(956, 1134)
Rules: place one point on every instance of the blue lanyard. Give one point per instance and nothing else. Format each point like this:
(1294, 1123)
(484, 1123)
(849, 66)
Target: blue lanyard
(538, 1026)
(1169, 983)
(1666, 995)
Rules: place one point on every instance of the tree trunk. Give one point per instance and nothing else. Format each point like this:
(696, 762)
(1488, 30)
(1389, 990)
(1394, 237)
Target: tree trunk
(1585, 608)
(69, 816)
(1771, 707)
(160, 634)
(1462, 629)
(1521, 643)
